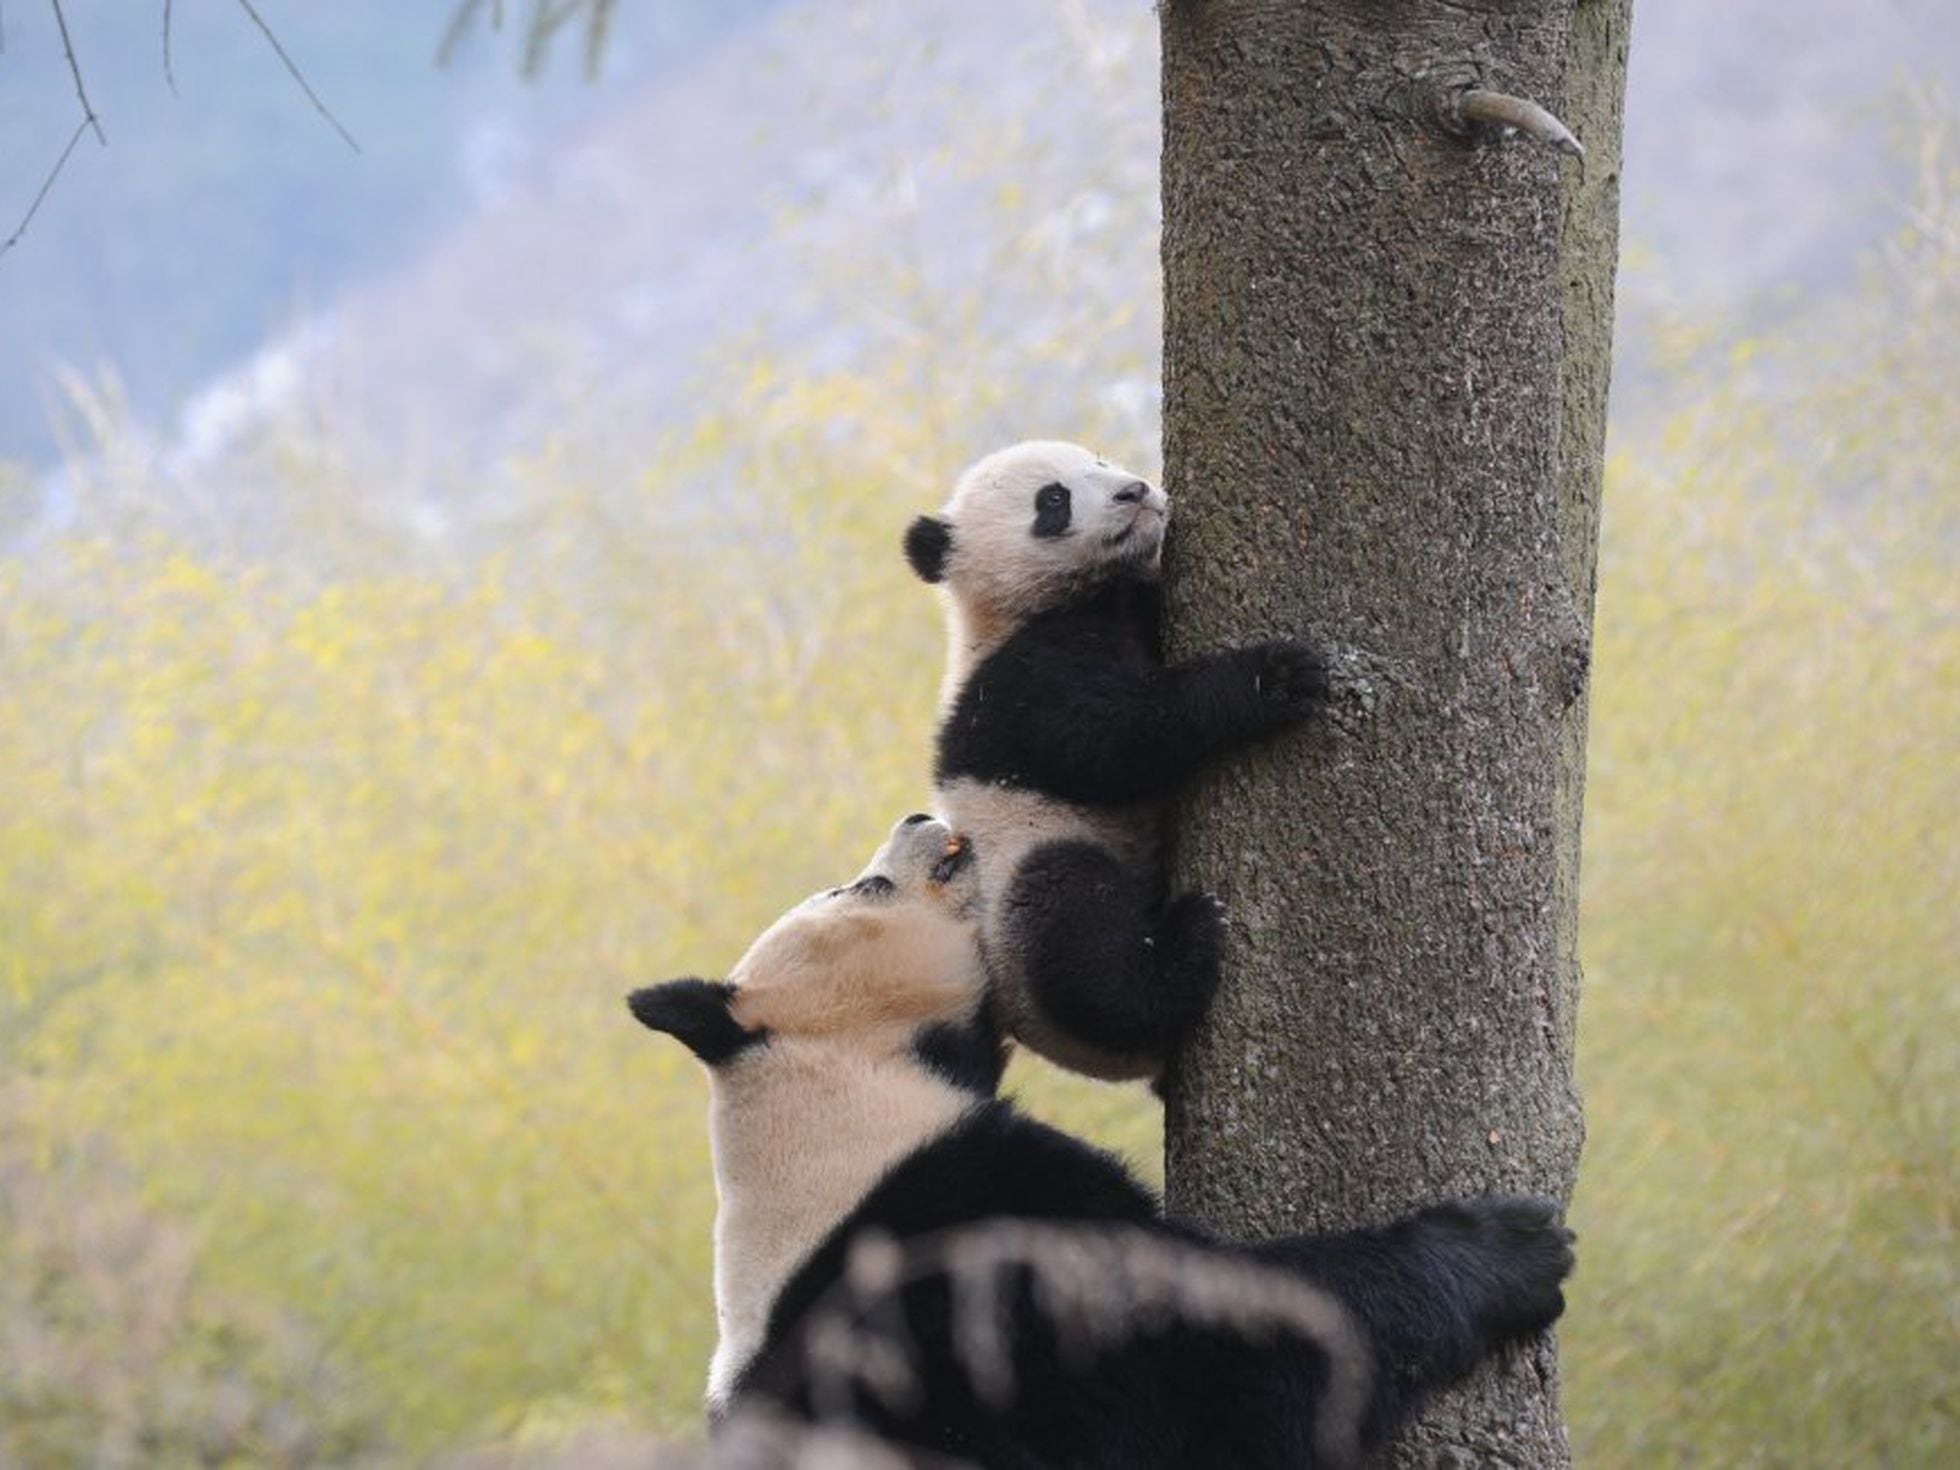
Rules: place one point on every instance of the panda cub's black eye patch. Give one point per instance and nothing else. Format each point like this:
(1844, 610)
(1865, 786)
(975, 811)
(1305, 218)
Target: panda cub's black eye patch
(876, 886)
(1052, 510)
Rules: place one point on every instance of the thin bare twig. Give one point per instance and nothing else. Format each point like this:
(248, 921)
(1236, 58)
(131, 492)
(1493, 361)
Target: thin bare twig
(547, 18)
(1498, 109)
(596, 33)
(75, 71)
(545, 21)
(169, 74)
(462, 22)
(297, 75)
(46, 184)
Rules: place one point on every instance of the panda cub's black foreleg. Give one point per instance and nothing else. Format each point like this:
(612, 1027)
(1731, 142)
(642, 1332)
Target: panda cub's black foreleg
(1101, 961)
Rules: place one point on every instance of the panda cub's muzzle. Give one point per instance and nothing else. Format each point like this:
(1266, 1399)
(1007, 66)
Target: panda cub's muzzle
(1141, 512)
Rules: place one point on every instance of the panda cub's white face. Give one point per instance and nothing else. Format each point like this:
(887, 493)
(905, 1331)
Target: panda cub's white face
(1030, 525)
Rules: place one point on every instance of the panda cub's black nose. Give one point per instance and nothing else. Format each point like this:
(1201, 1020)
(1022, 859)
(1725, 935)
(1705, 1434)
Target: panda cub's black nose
(1133, 493)
(916, 818)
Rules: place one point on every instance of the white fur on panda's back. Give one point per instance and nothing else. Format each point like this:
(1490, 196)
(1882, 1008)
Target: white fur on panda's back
(1006, 823)
(795, 1151)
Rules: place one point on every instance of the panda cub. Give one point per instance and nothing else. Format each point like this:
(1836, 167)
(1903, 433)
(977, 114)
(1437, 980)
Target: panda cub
(1061, 734)
(853, 1120)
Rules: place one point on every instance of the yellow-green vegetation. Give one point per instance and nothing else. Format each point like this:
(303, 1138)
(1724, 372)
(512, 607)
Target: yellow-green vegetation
(1770, 1039)
(325, 1137)
(319, 898)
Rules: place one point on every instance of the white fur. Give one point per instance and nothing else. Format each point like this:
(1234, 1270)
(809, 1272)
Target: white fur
(796, 1146)
(997, 575)
(804, 1125)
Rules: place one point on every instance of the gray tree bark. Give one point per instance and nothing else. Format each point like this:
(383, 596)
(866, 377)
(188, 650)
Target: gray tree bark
(1387, 337)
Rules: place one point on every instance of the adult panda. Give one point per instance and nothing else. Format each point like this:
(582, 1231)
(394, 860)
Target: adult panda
(852, 1070)
(1061, 734)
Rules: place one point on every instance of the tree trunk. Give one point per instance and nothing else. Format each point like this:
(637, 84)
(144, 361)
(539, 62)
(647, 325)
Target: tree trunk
(1386, 354)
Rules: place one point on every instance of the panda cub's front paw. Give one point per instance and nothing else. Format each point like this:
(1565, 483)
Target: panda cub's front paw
(1290, 677)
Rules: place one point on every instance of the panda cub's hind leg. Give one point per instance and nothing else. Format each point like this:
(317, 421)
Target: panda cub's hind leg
(1115, 978)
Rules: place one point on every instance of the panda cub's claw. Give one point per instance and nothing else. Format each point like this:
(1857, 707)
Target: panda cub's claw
(1291, 676)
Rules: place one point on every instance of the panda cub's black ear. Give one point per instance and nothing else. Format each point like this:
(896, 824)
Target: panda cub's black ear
(927, 540)
(695, 1013)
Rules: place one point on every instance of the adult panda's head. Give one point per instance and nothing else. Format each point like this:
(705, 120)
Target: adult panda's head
(882, 973)
(1035, 524)
(853, 1032)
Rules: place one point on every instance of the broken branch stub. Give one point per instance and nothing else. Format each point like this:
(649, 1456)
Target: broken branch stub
(1478, 109)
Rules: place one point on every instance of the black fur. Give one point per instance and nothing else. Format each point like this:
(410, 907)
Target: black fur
(1431, 1296)
(927, 540)
(1054, 508)
(695, 1013)
(1077, 703)
(1490, 1273)
(1104, 959)
(971, 1055)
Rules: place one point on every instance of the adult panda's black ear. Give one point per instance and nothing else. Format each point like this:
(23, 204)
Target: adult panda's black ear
(696, 1014)
(927, 542)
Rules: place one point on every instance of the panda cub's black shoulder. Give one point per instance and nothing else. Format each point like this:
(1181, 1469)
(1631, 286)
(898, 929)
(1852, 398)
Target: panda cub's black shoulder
(1055, 662)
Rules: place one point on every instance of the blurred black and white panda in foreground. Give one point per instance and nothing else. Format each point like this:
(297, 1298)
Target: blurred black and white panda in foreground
(861, 1158)
(1061, 734)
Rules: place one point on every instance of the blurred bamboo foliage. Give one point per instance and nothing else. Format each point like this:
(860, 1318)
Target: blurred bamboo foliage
(375, 855)
(326, 1139)
(1770, 1038)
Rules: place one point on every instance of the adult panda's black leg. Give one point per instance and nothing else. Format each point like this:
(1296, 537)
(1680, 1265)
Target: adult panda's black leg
(1440, 1291)
(1100, 961)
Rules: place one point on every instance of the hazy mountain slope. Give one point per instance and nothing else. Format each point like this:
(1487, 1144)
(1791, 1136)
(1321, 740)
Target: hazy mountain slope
(829, 185)
(820, 187)
(216, 214)
(1763, 146)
